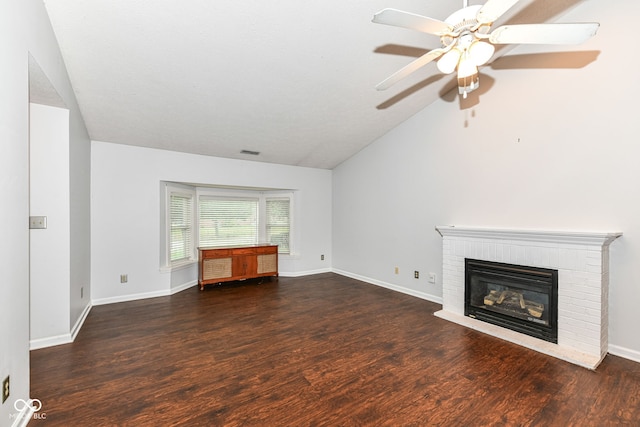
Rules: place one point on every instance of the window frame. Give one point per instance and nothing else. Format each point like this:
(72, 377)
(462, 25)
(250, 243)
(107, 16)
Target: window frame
(172, 189)
(279, 196)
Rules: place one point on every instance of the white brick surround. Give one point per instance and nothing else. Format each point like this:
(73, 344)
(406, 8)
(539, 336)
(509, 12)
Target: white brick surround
(582, 261)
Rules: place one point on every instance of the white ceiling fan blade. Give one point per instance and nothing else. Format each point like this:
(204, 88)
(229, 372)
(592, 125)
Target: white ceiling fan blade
(410, 68)
(572, 33)
(411, 21)
(494, 9)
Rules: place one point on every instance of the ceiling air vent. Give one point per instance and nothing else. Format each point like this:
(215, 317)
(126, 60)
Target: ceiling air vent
(253, 153)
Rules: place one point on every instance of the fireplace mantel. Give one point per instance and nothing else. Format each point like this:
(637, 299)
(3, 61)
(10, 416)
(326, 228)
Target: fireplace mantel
(582, 261)
(547, 236)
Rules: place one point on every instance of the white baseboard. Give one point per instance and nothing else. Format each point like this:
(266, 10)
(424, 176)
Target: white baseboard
(63, 338)
(50, 341)
(401, 289)
(144, 295)
(130, 297)
(624, 352)
(304, 273)
(83, 316)
(183, 287)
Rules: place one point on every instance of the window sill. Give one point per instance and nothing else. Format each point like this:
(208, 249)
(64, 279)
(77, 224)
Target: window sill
(178, 266)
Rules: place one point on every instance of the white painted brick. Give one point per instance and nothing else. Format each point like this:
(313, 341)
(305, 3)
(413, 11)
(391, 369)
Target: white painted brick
(594, 257)
(554, 258)
(476, 249)
(489, 251)
(568, 259)
(583, 328)
(545, 259)
(521, 256)
(586, 321)
(591, 268)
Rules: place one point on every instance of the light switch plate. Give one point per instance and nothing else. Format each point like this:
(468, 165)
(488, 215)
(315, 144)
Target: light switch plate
(36, 222)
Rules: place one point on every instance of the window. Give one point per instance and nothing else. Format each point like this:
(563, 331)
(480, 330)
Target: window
(180, 237)
(278, 222)
(228, 221)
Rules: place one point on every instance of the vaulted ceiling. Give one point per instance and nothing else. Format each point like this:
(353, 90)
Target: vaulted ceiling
(293, 80)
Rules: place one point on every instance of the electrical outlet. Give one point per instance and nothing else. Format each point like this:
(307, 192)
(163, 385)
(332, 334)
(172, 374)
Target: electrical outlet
(416, 274)
(321, 257)
(124, 278)
(36, 222)
(432, 277)
(5, 389)
(397, 270)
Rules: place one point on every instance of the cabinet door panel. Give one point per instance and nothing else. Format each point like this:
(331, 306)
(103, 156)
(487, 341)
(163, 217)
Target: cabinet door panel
(244, 265)
(251, 261)
(216, 268)
(267, 263)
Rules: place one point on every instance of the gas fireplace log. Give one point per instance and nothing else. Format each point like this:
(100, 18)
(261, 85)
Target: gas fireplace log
(513, 295)
(492, 298)
(535, 309)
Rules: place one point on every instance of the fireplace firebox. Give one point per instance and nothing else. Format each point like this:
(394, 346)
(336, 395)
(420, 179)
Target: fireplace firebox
(521, 298)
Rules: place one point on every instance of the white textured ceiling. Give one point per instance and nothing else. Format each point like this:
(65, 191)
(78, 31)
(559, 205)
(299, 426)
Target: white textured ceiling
(291, 79)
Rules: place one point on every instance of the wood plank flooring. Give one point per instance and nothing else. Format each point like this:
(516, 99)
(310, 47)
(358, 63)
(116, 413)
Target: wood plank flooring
(322, 350)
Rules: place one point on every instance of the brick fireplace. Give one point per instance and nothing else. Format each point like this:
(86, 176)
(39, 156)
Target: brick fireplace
(582, 262)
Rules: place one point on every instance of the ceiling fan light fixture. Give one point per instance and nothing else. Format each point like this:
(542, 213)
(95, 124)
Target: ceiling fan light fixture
(449, 61)
(481, 52)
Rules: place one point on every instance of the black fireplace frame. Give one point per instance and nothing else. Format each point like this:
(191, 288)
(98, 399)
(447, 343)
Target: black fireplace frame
(524, 277)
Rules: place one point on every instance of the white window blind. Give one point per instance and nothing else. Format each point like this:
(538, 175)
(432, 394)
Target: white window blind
(228, 221)
(180, 227)
(278, 223)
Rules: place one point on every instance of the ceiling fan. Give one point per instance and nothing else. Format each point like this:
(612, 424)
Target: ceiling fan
(468, 42)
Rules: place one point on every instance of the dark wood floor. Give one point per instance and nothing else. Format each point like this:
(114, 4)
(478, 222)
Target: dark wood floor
(322, 350)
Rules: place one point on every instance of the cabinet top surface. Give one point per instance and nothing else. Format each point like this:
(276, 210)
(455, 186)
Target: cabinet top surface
(256, 245)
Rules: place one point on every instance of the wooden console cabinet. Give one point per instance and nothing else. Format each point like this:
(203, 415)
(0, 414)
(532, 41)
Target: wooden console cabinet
(225, 264)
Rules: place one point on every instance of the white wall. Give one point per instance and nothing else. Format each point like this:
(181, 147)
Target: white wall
(49, 196)
(24, 30)
(574, 168)
(126, 210)
(80, 220)
(14, 186)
